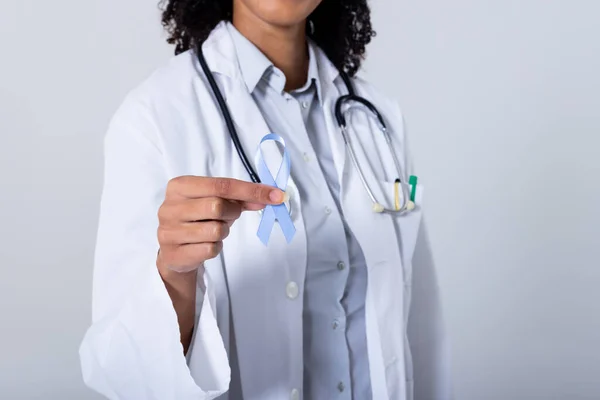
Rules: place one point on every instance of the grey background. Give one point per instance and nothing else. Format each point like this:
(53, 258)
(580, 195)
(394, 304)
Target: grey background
(502, 103)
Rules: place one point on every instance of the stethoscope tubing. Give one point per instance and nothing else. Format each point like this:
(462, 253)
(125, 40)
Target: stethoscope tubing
(341, 121)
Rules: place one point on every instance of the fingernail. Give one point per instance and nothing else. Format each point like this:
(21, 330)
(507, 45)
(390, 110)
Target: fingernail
(276, 196)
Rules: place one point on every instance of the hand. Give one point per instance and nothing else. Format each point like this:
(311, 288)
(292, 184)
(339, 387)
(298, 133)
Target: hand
(197, 214)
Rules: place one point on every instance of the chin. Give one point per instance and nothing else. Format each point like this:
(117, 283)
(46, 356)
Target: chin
(282, 12)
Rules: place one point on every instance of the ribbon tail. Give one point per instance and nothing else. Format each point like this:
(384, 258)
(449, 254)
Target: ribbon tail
(285, 222)
(266, 225)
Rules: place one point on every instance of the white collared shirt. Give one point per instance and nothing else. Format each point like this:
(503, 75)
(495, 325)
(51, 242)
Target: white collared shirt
(335, 350)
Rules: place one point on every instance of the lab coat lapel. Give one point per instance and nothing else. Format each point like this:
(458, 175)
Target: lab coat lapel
(354, 196)
(384, 304)
(269, 271)
(251, 127)
(377, 237)
(262, 278)
(331, 93)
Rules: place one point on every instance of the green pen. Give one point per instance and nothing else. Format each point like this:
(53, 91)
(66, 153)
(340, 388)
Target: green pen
(412, 180)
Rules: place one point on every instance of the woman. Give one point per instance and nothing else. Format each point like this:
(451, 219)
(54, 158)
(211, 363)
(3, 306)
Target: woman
(188, 302)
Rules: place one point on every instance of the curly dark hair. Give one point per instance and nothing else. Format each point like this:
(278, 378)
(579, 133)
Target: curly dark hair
(342, 28)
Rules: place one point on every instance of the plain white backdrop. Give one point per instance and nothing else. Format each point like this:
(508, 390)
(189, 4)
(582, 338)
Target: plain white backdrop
(502, 101)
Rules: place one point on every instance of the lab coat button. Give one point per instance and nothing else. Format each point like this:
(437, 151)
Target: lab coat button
(341, 387)
(327, 210)
(335, 324)
(341, 266)
(295, 394)
(291, 290)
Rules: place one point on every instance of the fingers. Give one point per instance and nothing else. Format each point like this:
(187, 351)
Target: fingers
(197, 215)
(252, 206)
(190, 256)
(227, 188)
(194, 233)
(190, 210)
(213, 208)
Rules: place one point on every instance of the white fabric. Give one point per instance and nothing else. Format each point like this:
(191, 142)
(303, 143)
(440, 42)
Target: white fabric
(248, 341)
(335, 345)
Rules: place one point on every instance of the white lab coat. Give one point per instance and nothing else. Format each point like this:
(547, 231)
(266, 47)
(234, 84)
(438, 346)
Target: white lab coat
(248, 336)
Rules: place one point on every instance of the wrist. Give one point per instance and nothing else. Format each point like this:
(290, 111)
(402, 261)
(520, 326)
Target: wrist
(182, 282)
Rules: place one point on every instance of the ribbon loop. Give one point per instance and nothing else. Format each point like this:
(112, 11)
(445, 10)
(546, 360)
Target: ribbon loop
(278, 212)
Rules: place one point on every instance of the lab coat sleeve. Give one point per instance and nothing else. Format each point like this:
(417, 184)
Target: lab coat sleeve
(132, 349)
(426, 333)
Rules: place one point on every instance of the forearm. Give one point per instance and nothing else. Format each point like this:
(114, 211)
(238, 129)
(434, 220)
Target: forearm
(181, 287)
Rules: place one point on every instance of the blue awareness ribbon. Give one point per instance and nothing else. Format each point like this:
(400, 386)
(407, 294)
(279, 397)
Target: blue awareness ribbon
(278, 212)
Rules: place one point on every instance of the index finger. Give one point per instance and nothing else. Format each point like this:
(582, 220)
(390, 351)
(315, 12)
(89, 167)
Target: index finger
(226, 188)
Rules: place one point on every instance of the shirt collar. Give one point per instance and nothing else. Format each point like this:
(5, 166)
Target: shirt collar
(254, 65)
(313, 71)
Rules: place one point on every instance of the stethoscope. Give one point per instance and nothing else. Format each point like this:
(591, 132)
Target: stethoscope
(402, 204)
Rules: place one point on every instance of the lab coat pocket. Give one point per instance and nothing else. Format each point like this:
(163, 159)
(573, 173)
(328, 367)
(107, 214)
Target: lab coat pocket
(406, 224)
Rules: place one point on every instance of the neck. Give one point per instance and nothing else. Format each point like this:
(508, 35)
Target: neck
(284, 46)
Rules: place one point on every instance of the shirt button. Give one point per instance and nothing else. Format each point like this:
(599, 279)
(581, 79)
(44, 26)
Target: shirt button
(341, 266)
(335, 324)
(341, 386)
(291, 290)
(327, 210)
(295, 394)
(306, 157)
(305, 104)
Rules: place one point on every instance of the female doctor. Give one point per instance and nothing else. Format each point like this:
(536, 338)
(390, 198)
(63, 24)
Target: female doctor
(216, 279)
